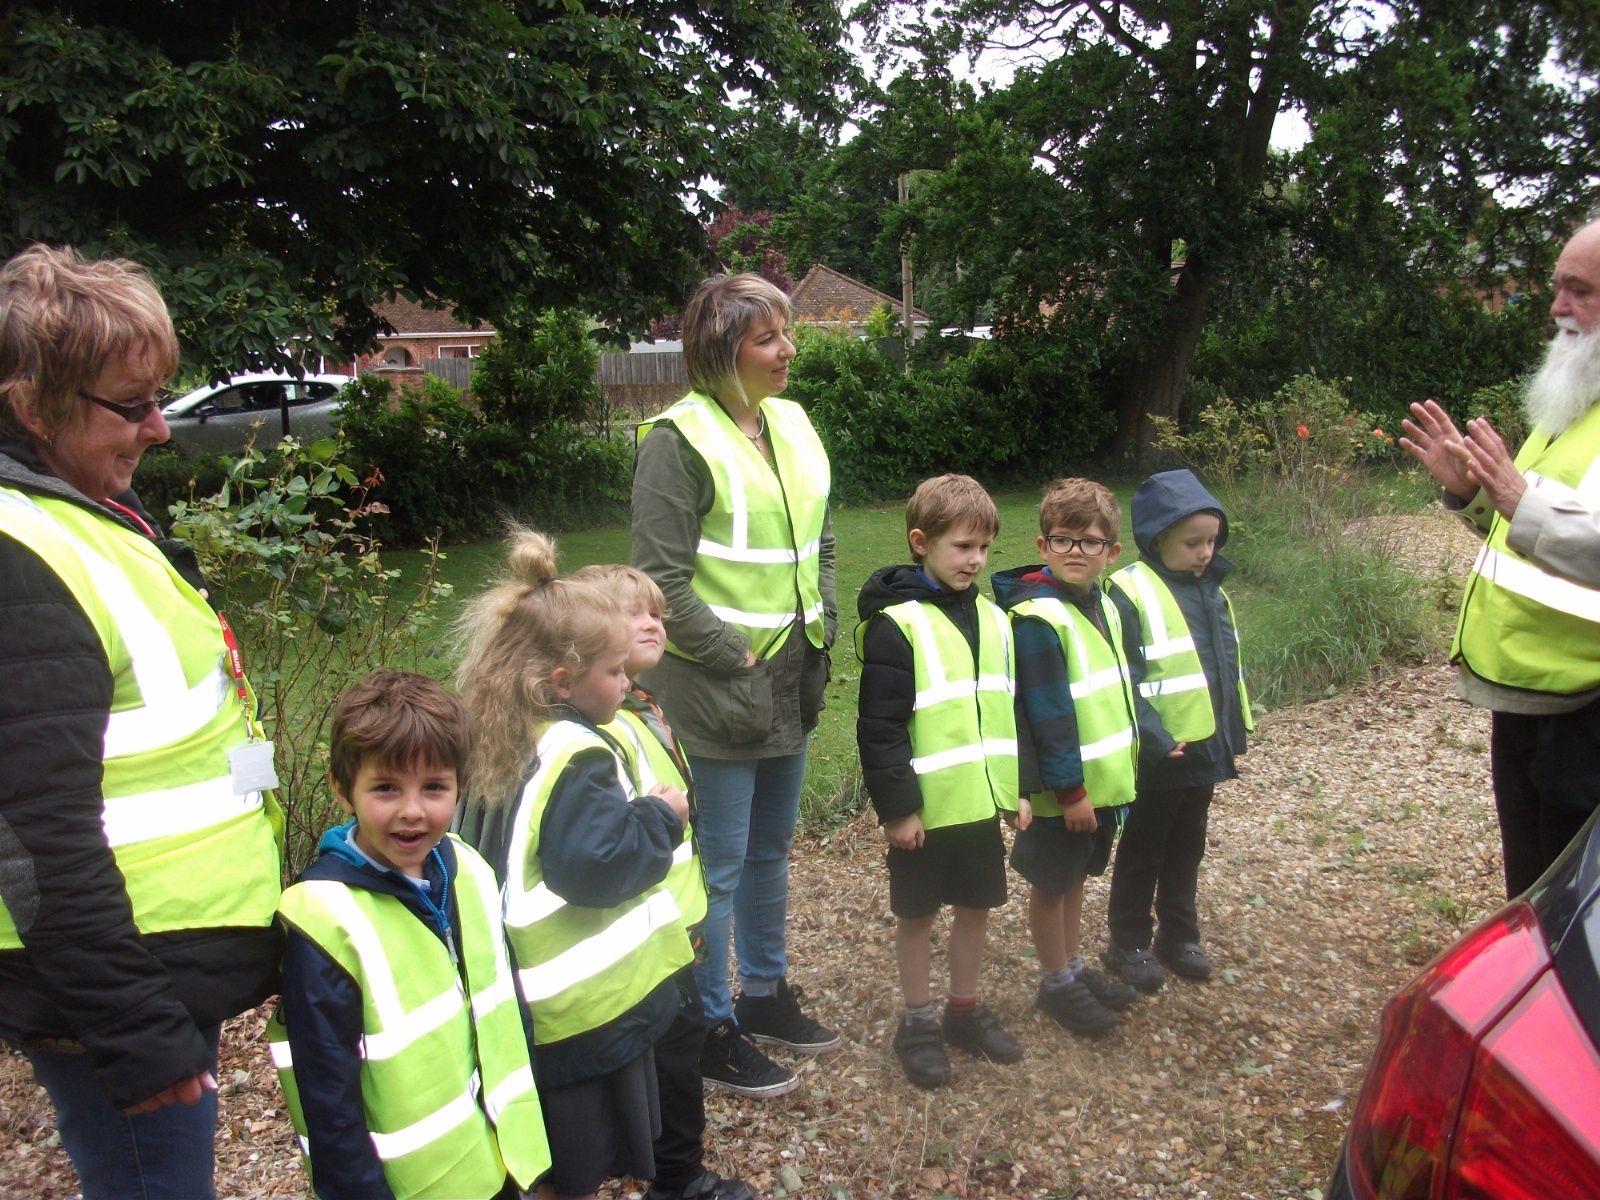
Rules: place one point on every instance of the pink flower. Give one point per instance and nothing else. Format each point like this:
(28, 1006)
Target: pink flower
(1303, 432)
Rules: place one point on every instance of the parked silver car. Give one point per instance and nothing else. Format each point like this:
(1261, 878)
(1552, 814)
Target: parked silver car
(220, 417)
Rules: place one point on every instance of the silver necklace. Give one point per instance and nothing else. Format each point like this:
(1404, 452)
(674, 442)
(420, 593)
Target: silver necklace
(761, 431)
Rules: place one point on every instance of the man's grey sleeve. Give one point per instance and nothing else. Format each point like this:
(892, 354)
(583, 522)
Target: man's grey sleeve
(1559, 530)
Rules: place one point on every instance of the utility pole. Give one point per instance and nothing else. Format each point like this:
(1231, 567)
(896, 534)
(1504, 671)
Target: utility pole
(905, 272)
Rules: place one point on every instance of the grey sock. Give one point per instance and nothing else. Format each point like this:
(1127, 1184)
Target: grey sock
(921, 1014)
(1075, 965)
(1054, 981)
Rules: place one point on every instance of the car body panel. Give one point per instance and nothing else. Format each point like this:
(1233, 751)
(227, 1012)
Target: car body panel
(221, 418)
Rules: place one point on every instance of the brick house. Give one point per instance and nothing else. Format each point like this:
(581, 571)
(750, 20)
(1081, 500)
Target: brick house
(829, 297)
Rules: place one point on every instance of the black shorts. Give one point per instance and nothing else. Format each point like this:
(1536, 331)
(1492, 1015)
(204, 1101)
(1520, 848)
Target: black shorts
(1054, 858)
(963, 865)
(602, 1128)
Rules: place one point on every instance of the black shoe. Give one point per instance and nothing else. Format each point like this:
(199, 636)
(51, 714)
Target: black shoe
(777, 1019)
(1185, 959)
(1135, 967)
(1112, 993)
(978, 1031)
(731, 1062)
(920, 1049)
(708, 1185)
(1074, 1008)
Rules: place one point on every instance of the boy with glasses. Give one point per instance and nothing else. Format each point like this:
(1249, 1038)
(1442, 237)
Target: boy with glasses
(1076, 740)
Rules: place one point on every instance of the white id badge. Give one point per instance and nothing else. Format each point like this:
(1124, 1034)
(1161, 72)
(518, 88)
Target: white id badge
(251, 766)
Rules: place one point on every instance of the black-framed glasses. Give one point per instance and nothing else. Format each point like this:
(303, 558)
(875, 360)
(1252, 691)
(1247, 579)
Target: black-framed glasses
(1060, 543)
(131, 413)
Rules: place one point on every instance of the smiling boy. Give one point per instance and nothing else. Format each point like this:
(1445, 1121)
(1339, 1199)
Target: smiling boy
(1076, 740)
(399, 1039)
(938, 740)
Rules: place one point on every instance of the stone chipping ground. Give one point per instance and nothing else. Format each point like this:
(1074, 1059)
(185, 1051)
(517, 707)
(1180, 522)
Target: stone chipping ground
(1358, 842)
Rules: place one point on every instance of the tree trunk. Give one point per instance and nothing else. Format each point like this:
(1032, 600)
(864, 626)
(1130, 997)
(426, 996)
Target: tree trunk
(1153, 384)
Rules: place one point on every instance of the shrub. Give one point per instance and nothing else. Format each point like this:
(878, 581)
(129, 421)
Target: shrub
(168, 474)
(287, 547)
(1501, 406)
(540, 369)
(440, 467)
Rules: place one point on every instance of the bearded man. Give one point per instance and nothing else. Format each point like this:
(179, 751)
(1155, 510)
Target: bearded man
(1527, 646)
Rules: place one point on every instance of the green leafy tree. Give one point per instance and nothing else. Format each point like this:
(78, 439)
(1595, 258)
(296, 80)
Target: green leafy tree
(1126, 173)
(282, 165)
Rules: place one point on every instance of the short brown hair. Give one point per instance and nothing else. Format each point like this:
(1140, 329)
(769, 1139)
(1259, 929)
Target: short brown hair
(630, 586)
(1078, 504)
(62, 319)
(716, 320)
(398, 718)
(945, 501)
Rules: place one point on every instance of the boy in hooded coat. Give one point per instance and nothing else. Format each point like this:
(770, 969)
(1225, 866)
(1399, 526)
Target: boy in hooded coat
(1182, 645)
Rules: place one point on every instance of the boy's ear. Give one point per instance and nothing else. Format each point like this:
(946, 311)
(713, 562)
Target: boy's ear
(338, 793)
(1041, 544)
(1112, 552)
(918, 541)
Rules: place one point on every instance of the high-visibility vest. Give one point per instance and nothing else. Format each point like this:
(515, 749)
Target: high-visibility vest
(650, 763)
(1520, 625)
(1174, 681)
(1102, 698)
(963, 724)
(445, 1074)
(758, 562)
(581, 967)
(193, 854)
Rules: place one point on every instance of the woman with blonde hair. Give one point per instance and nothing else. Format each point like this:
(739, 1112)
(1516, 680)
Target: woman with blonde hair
(730, 518)
(139, 852)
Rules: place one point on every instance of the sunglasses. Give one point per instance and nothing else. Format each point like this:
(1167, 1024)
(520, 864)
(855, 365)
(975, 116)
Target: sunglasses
(135, 412)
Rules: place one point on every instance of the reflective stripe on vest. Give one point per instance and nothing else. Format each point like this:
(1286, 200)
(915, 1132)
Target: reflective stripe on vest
(650, 763)
(446, 1081)
(578, 967)
(1102, 697)
(1520, 625)
(963, 726)
(1175, 681)
(193, 854)
(758, 561)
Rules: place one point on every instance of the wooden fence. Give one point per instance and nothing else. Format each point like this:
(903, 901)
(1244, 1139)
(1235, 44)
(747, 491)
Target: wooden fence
(455, 371)
(642, 384)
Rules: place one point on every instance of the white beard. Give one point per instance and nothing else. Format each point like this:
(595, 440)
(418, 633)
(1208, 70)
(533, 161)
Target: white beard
(1568, 382)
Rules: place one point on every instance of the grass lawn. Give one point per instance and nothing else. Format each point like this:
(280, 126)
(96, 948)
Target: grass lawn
(868, 537)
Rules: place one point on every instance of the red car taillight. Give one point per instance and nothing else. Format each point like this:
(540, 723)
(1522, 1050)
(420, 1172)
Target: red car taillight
(1530, 1121)
(1401, 1130)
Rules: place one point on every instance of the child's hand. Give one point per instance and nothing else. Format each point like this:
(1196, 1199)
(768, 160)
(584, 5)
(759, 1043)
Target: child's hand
(676, 800)
(1024, 813)
(905, 833)
(1177, 751)
(1080, 816)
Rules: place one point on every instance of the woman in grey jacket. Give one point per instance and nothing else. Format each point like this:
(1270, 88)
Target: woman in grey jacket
(730, 518)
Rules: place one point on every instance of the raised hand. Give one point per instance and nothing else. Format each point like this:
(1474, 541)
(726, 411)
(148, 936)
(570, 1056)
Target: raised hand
(1434, 441)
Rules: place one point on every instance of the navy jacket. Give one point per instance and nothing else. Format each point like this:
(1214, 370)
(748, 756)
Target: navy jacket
(322, 1010)
(889, 683)
(596, 849)
(1047, 719)
(1160, 501)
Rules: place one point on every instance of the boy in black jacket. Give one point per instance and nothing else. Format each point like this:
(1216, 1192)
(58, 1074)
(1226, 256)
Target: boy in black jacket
(1183, 651)
(937, 734)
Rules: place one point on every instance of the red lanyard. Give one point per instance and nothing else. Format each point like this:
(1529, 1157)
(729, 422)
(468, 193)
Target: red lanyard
(235, 660)
(136, 518)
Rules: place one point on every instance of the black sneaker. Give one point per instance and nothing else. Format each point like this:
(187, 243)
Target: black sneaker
(1074, 1008)
(1112, 993)
(731, 1062)
(1185, 959)
(708, 1185)
(978, 1031)
(1135, 967)
(920, 1049)
(778, 1021)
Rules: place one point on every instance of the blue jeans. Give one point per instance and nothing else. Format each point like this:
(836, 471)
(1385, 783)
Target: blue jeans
(167, 1154)
(746, 811)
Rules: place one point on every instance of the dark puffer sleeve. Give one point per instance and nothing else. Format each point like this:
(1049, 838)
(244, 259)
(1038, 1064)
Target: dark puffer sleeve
(883, 721)
(83, 963)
